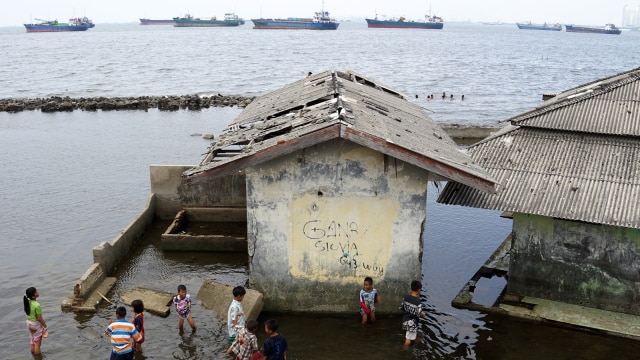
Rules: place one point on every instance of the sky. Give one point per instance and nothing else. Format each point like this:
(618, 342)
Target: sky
(582, 12)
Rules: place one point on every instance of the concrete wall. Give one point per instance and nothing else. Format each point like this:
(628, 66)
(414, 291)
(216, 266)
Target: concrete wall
(321, 219)
(172, 195)
(578, 263)
(107, 255)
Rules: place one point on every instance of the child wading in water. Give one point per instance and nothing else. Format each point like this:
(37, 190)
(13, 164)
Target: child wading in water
(235, 314)
(138, 322)
(368, 300)
(275, 345)
(35, 322)
(412, 307)
(182, 302)
(246, 342)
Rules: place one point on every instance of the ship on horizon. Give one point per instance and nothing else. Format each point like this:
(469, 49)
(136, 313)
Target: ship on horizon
(430, 22)
(144, 21)
(320, 21)
(529, 26)
(607, 29)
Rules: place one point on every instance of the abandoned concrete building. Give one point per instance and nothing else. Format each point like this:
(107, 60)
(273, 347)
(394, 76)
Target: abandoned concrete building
(569, 175)
(335, 168)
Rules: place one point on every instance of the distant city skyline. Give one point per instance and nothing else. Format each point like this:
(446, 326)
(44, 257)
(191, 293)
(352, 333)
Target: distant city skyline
(586, 12)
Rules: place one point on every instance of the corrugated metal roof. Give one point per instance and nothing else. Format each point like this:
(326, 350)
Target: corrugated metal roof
(606, 106)
(574, 158)
(338, 105)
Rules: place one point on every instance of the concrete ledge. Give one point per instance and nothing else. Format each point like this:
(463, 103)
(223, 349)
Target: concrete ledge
(106, 257)
(218, 297)
(217, 214)
(222, 243)
(458, 131)
(575, 316)
(155, 302)
(95, 299)
(178, 236)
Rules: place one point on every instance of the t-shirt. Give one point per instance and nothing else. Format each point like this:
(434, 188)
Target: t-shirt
(34, 311)
(412, 307)
(138, 322)
(246, 343)
(275, 347)
(369, 298)
(121, 332)
(183, 306)
(234, 308)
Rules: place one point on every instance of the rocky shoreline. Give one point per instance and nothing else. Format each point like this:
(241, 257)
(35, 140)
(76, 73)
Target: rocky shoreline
(175, 103)
(163, 103)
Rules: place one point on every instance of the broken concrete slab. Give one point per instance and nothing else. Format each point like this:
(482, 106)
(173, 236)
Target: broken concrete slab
(96, 297)
(218, 297)
(155, 302)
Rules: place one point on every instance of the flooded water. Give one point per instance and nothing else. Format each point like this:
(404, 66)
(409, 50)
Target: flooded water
(73, 180)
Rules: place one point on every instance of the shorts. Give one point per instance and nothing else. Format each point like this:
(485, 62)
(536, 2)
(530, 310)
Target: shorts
(35, 331)
(127, 356)
(411, 327)
(373, 309)
(184, 314)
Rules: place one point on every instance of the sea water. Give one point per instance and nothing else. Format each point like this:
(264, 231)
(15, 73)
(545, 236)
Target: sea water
(73, 180)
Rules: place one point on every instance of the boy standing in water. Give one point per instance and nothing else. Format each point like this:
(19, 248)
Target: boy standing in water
(121, 332)
(235, 315)
(368, 299)
(182, 301)
(412, 307)
(246, 343)
(275, 346)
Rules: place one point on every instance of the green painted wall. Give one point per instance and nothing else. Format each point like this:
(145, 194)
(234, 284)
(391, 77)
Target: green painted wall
(578, 263)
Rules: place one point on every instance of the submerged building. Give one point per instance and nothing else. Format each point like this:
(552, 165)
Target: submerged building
(336, 168)
(569, 175)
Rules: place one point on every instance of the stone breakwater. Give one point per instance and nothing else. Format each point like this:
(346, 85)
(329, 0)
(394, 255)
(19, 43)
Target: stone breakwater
(175, 103)
(163, 103)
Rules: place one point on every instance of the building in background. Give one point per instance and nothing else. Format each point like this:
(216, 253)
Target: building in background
(631, 16)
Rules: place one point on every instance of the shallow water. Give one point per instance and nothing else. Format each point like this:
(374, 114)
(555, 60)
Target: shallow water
(72, 180)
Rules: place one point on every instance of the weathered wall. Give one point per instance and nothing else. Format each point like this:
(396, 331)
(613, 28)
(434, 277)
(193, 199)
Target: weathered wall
(321, 219)
(172, 195)
(579, 263)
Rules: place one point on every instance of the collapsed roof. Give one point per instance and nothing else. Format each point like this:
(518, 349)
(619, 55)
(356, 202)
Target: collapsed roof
(334, 105)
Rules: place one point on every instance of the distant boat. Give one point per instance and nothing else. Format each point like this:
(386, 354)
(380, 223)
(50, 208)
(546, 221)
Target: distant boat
(431, 22)
(607, 29)
(320, 21)
(230, 19)
(156, 22)
(545, 26)
(74, 24)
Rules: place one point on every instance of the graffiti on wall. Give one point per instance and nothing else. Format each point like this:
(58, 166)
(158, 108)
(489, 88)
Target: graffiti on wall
(342, 237)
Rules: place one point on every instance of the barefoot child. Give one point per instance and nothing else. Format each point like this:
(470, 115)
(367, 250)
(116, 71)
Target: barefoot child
(138, 322)
(368, 300)
(182, 301)
(246, 342)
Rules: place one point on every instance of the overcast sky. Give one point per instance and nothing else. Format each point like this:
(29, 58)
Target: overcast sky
(585, 12)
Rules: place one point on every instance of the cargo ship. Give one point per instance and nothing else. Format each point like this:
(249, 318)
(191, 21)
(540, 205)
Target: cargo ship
(320, 21)
(545, 26)
(74, 24)
(607, 29)
(430, 22)
(230, 19)
(156, 22)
